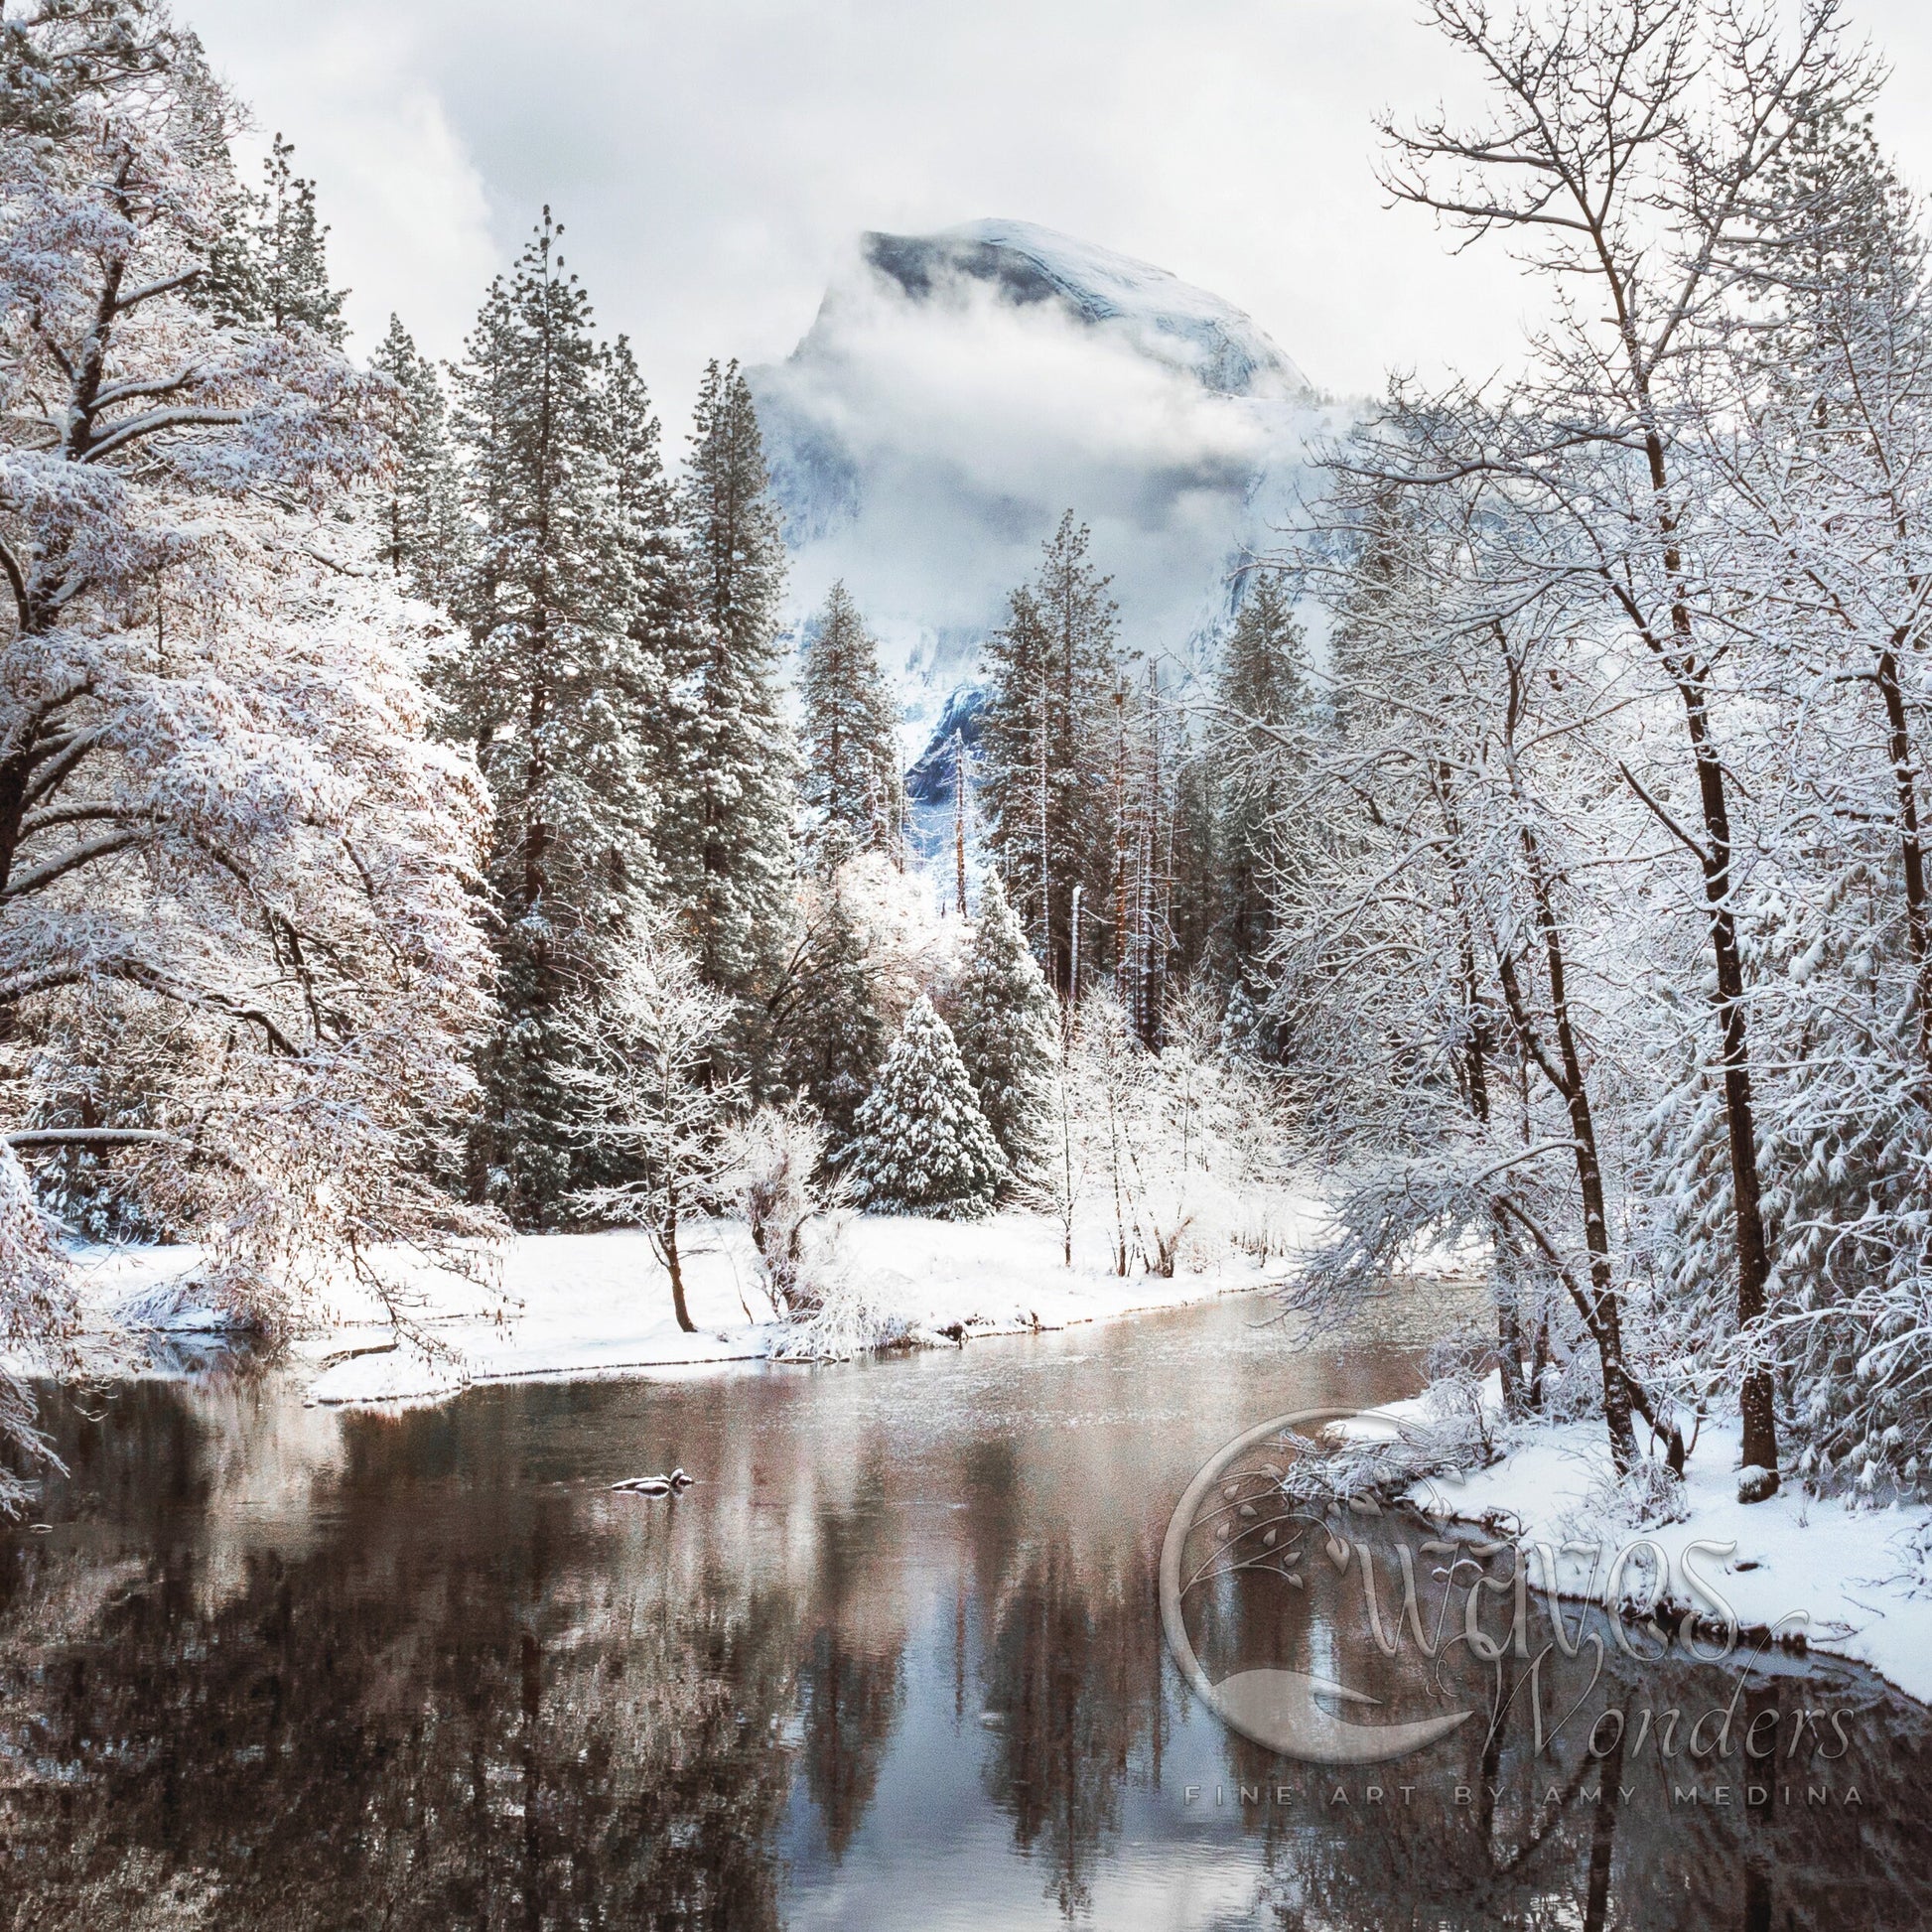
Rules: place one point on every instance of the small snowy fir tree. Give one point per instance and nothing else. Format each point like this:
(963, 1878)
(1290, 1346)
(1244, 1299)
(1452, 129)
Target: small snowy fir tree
(923, 1147)
(1008, 1031)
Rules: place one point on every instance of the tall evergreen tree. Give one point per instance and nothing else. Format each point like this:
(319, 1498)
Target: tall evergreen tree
(1261, 704)
(1008, 1030)
(424, 535)
(1195, 911)
(923, 1147)
(853, 781)
(556, 697)
(1048, 749)
(727, 840)
(659, 614)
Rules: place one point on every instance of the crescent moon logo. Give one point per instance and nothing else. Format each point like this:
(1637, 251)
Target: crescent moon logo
(1277, 1708)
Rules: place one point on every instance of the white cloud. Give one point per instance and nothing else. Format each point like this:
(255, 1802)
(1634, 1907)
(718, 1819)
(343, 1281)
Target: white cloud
(406, 204)
(715, 160)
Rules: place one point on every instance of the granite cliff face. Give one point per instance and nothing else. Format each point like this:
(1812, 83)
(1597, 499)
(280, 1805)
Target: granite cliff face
(1192, 330)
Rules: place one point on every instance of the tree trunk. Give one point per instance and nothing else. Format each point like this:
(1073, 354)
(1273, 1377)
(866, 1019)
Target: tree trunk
(1756, 1404)
(1757, 1399)
(1911, 850)
(673, 1262)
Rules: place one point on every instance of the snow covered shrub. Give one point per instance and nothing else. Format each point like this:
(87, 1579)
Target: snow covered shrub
(1449, 1432)
(842, 1322)
(923, 1146)
(1616, 1508)
(774, 1176)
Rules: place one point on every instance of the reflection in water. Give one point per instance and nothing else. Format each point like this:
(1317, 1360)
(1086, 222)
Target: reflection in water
(894, 1661)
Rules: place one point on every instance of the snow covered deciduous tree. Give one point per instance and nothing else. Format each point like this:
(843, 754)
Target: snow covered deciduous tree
(1210, 1135)
(39, 1317)
(853, 785)
(1008, 1031)
(1446, 960)
(1634, 148)
(1827, 507)
(774, 1164)
(224, 831)
(642, 1066)
(1105, 1081)
(923, 1146)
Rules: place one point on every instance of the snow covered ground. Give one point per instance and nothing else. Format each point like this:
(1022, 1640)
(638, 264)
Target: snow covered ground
(575, 1305)
(1848, 1581)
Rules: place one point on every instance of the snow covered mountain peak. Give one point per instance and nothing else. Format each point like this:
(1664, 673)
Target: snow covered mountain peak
(958, 392)
(1024, 264)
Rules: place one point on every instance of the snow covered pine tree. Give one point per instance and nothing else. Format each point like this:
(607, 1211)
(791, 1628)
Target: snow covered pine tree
(1008, 1031)
(1048, 742)
(425, 537)
(728, 845)
(831, 1035)
(923, 1147)
(558, 692)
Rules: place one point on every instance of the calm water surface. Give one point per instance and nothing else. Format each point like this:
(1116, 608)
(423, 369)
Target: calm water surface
(896, 1662)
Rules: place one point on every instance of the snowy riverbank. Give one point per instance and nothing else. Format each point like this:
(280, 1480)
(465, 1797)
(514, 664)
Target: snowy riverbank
(1849, 1582)
(578, 1305)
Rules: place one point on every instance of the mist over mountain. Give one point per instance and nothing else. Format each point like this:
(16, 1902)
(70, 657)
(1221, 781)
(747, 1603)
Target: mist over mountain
(958, 391)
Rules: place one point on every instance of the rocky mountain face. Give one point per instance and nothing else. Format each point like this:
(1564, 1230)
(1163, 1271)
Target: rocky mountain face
(958, 391)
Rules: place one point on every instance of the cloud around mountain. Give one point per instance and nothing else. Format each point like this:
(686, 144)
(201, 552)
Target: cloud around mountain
(958, 391)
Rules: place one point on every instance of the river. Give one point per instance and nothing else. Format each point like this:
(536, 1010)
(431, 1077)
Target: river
(894, 1661)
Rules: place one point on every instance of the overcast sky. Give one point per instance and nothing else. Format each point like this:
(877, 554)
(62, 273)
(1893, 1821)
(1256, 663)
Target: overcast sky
(712, 157)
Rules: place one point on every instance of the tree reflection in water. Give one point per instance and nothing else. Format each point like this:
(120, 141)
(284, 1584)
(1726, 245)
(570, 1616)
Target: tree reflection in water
(898, 1652)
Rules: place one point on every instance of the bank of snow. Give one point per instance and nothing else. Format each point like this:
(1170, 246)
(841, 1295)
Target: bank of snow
(1850, 1581)
(580, 1305)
